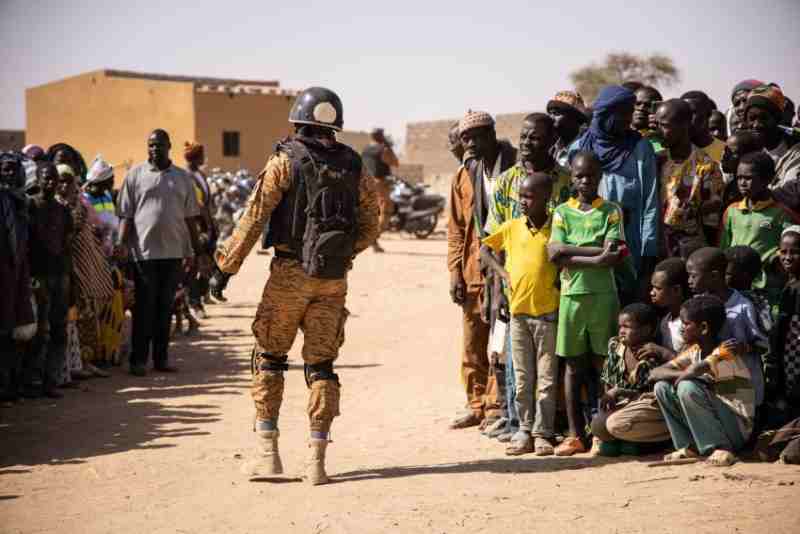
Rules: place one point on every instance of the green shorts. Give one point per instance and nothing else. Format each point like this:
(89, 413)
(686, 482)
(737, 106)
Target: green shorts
(586, 323)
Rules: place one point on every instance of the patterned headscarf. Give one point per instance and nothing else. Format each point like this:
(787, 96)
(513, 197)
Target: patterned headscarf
(34, 152)
(570, 101)
(767, 97)
(745, 85)
(474, 119)
(100, 171)
(612, 150)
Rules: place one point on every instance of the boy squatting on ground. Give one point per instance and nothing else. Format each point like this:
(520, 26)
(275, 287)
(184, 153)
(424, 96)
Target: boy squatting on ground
(586, 241)
(531, 278)
(705, 393)
(629, 412)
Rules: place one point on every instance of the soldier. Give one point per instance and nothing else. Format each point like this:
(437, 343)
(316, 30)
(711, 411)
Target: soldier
(318, 206)
(379, 158)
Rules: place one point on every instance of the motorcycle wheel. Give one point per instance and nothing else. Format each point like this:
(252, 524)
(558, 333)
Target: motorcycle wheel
(427, 227)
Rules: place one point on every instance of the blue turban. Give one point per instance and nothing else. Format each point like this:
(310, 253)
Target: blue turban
(612, 150)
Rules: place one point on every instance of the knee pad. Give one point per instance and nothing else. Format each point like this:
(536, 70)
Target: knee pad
(266, 362)
(320, 371)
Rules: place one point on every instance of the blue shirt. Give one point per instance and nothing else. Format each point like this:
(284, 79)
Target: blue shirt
(742, 325)
(634, 187)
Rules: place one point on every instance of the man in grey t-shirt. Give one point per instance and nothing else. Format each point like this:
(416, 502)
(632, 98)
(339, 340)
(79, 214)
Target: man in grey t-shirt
(157, 209)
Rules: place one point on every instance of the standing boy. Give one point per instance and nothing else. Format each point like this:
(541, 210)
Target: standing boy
(585, 242)
(758, 220)
(668, 290)
(531, 278)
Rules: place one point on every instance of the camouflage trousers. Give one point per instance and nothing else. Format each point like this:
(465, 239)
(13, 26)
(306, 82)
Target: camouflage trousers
(293, 300)
(383, 189)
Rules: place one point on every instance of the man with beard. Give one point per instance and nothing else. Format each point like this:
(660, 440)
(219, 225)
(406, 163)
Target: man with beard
(471, 192)
(644, 115)
(763, 114)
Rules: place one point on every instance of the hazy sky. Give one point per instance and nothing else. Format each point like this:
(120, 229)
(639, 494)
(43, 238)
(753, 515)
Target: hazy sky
(401, 61)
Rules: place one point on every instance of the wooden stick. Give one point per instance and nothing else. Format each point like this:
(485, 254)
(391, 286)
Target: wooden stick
(681, 461)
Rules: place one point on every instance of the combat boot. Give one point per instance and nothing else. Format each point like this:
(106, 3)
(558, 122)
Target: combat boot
(268, 461)
(315, 470)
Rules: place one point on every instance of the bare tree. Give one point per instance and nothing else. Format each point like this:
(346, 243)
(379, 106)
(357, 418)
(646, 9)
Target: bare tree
(619, 67)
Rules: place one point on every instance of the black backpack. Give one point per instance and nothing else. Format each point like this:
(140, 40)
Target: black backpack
(318, 216)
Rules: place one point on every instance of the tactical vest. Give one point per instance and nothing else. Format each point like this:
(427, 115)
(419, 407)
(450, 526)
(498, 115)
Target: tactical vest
(317, 218)
(373, 161)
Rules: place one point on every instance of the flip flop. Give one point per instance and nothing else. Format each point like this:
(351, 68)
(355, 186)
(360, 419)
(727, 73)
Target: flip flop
(722, 458)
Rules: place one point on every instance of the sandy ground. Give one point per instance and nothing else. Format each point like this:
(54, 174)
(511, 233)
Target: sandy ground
(162, 454)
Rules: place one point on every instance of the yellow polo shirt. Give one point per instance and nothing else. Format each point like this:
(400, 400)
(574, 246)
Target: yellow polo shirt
(533, 276)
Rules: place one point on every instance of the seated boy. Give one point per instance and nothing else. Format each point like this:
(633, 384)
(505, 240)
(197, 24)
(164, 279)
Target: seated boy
(629, 413)
(744, 266)
(706, 268)
(668, 291)
(531, 278)
(705, 393)
(758, 220)
(587, 242)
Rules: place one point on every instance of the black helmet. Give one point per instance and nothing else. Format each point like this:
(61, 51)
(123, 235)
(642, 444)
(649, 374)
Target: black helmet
(318, 106)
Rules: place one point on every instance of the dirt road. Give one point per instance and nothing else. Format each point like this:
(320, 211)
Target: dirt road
(161, 454)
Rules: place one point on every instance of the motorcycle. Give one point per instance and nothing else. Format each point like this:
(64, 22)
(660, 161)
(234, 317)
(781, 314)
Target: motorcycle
(416, 211)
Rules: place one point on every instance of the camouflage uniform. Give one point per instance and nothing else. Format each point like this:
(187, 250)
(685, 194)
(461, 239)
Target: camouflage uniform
(292, 299)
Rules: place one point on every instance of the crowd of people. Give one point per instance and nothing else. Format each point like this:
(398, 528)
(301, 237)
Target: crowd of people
(629, 275)
(77, 255)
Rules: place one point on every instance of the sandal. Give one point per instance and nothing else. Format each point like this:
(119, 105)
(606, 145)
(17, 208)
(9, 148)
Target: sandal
(681, 454)
(519, 446)
(542, 447)
(570, 446)
(722, 458)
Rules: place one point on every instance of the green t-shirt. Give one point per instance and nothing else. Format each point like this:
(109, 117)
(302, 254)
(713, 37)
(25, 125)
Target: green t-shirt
(758, 226)
(592, 228)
